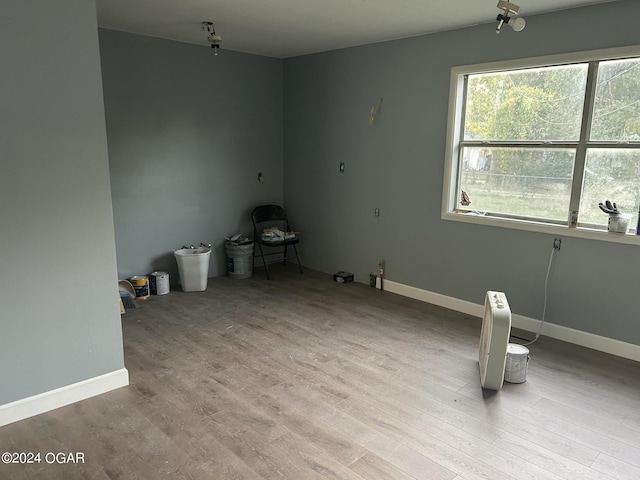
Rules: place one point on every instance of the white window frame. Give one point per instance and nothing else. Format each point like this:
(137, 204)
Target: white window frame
(454, 135)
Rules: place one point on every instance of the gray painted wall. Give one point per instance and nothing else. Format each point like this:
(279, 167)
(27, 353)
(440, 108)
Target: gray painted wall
(59, 320)
(397, 165)
(188, 133)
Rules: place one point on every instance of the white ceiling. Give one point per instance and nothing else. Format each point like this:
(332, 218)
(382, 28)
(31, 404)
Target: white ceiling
(287, 28)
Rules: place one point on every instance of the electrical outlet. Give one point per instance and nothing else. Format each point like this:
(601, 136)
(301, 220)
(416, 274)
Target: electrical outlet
(376, 212)
(556, 243)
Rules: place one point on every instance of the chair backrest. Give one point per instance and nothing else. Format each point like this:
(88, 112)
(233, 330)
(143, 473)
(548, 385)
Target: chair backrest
(269, 213)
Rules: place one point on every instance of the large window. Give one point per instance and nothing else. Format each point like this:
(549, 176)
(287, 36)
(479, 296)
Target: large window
(545, 141)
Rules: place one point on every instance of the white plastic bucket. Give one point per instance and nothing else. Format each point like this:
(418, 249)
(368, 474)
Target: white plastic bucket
(239, 260)
(193, 266)
(159, 282)
(515, 370)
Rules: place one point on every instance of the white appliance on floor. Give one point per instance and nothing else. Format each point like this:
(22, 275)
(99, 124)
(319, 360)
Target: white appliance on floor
(494, 340)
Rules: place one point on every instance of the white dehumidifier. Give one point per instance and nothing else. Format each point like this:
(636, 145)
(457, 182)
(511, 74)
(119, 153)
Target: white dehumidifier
(494, 340)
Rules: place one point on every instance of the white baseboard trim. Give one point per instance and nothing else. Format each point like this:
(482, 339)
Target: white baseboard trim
(60, 397)
(570, 335)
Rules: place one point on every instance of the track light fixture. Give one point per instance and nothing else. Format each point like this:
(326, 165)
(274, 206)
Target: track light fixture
(508, 8)
(214, 39)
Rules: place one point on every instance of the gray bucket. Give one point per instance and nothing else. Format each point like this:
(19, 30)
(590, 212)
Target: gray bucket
(239, 260)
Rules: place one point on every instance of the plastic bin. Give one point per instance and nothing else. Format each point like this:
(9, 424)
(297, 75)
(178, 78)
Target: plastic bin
(193, 266)
(239, 260)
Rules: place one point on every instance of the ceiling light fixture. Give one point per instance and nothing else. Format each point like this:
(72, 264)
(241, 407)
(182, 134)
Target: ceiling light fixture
(517, 24)
(214, 39)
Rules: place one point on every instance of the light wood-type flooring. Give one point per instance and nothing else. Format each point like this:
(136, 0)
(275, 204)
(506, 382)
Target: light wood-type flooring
(301, 378)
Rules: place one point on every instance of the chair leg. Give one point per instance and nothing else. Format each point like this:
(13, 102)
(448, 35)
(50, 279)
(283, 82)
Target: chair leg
(297, 258)
(284, 257)
(266, 269)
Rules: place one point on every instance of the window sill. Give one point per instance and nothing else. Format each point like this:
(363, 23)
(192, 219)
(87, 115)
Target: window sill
(562, 230)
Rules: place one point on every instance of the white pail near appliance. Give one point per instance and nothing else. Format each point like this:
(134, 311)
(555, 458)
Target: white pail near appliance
(515, 370)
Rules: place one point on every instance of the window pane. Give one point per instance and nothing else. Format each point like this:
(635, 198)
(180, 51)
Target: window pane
(610, 174)
(528, 182)
(616, 115)
(534, 104)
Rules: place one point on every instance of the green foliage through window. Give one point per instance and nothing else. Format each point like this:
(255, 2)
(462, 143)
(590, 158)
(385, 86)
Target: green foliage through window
(525, 134)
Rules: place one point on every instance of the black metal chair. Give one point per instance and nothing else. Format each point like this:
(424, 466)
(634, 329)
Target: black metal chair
(266, 216)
